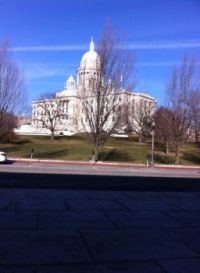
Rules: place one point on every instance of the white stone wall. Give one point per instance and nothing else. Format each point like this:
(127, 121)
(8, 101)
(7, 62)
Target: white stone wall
(73, 114)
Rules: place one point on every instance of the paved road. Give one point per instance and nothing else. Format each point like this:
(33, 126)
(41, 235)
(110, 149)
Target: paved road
(98, 169)
(98, 224)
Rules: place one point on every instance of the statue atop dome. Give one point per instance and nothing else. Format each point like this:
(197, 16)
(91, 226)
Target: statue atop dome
(92, 44)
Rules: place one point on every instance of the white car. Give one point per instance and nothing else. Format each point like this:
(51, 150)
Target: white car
(3, 157)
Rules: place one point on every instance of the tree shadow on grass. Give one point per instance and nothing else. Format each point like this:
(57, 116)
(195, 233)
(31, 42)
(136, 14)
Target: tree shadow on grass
(197, 144)
(21, 142)
(115, 155)
(164, 159)
(12, 149)
(193, 158)
(51, 154)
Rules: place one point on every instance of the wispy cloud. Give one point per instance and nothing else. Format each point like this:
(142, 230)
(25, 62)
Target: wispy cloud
(137, 45)
(36, 70)
(50, 48)
(165, 45)
(33, 71)
(171, 63)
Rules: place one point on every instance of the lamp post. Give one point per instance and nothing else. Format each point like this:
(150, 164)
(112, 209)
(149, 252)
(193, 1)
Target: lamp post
(152, 142)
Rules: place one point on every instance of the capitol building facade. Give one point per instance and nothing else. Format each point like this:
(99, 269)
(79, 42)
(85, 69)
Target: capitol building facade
(71, 116)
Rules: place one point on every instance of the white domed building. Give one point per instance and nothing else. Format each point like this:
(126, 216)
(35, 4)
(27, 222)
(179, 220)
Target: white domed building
(71, 116)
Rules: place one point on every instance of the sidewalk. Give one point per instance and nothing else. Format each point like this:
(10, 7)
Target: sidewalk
(54, 223)
(74, 231)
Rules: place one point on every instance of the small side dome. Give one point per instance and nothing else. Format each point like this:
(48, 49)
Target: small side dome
(70, 83)
(70, 79)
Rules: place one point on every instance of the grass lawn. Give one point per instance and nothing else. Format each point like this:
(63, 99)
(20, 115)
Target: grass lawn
(78, 148)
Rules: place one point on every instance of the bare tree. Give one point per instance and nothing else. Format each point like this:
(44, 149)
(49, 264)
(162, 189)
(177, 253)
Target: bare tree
(195, 112)
(12, 90)
(183, 82)
(7, 126)
(100, 93)
(138, 116)
(164, 127)
(48, 113)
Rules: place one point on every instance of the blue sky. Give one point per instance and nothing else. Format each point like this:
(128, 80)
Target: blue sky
(49, 37)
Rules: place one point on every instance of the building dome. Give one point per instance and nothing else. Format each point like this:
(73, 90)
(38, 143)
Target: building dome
(70, 84)
(91, 59)
(70, 79)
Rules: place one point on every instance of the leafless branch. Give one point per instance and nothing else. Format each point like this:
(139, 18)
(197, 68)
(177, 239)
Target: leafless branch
(183, 82)
(49, 112)
(12, 90)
